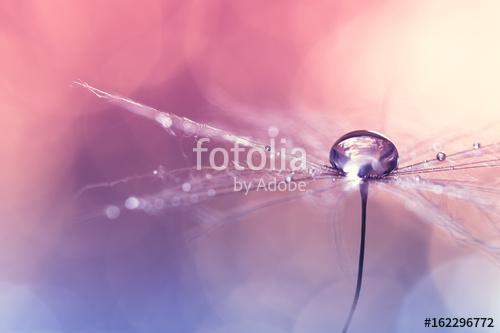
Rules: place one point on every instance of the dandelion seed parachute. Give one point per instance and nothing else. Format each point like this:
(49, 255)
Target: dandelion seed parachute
(360, 156)
(421, 180)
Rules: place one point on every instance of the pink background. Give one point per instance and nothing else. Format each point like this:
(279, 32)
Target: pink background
(415, 67)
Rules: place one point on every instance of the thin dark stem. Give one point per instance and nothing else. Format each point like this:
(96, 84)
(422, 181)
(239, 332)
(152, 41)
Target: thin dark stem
(363, 190)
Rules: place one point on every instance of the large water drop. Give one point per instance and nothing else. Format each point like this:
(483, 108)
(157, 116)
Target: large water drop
(364, 154)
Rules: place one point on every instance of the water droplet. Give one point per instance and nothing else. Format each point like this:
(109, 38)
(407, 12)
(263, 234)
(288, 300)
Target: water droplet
(186, 187)
(364, 154)
(160, 171)
(267, 148)
(288, 178)
(476, 145)
(273, 131)
(418, 178)
(112, 212)
(132, 203)
(441, 156)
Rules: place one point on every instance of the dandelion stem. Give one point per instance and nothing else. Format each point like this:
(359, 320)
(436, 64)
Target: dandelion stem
(363, 190)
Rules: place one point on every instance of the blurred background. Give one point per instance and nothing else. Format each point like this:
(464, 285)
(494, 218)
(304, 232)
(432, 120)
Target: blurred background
(414, 67)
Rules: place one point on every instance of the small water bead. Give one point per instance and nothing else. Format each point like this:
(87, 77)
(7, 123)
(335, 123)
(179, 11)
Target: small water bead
(364, 154)
(186, 187)
(273, 131)
(112, 212)
(159, 172)
(440, 156)
(267, 148)
(418, 178)
(476, 145)
(289, 178)
(132, 203)
(312, 171)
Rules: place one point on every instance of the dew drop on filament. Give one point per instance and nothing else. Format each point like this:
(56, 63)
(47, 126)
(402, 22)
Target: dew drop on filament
(440, 156)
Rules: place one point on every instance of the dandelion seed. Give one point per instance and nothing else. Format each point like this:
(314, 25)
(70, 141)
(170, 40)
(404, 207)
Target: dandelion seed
(359, 159)
(361, 156)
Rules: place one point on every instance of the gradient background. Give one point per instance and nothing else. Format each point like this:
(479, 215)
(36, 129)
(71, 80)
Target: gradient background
(414, 66)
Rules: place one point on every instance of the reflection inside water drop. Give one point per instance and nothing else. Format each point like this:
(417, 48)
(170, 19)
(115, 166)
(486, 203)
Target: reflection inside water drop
(364, 154)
